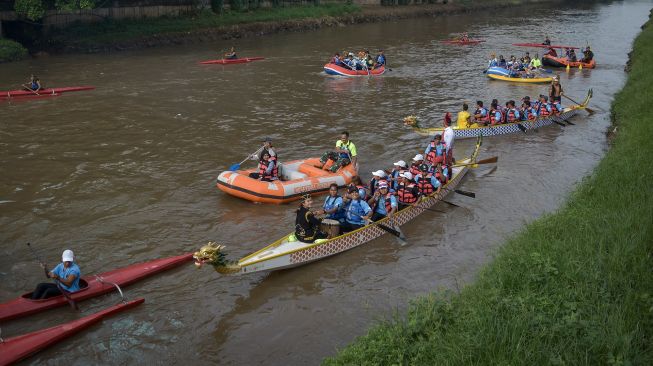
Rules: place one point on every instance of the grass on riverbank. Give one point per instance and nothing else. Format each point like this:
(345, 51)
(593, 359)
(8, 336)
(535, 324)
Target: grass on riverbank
(125, 30)
(11, 50)
(574, 288)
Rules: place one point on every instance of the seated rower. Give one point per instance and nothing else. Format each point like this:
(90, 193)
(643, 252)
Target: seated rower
(307, 226)
(535, 63)
(528, 112)
(572, 56)
(527, 58)
(588, 55)
(496, 115)
(502, 62)
(407, 191)
(66, 275)
(551, 52)
(231, 55)
(441, 173)
(435, 150)
(333, 206)
(267, 169)
(481, 115)
(547, 41)
(349, 62)
(398, 168)
(463, 117)
(415, 166)
(512, 114)
(492, 62)
(345, 153)
(426, 182)
(369, 61)
(543, 107)
(383, 202)
(357, 211)
(337, 60)
(377, 177)
(380, 60)
(465, 37)
(358, 183)
(33, 85)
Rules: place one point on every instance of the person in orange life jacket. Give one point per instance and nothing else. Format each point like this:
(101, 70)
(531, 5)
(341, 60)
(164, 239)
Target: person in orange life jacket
(398, 168)
(407, 191)
(267, 148)
(526, 112)
(426, 182)
(358, 183)
(378, 177)
(543, 107)
(441, 173)
(448, 136)
(357, 211)
(417, 161)
(481, 115)
(267, 169)
(496, 115)
(307, 226)
(435, 150)
(383, 203)
(555, 94)
(512, 114)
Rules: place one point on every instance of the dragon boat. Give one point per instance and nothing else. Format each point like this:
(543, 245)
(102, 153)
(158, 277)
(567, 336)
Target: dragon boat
(504, 128)
(333, 69)
(288, 252)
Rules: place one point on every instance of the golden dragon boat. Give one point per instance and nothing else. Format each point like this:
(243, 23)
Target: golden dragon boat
(287, 253)
(504, 128)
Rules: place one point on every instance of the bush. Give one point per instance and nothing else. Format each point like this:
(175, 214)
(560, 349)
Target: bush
(217, 6)
(11, 51)
(237, 5)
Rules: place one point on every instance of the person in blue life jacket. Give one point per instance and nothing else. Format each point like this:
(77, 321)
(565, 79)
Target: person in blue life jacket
(66, 274)
(34, 84)
(383, 202)
(398, 168)
(493, 62)
(231, 55)
(377, 177)
(349, 62)
(337, 60)
(357, 182)
(333, 206)
(307, 226)
(502, 62)
(357, 211)
(380, 60)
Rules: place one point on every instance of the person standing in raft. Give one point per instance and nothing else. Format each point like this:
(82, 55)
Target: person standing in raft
(66, 273)
(343, 155)
(231, 55)
(307, 226)
(34, 84)
(448, 138)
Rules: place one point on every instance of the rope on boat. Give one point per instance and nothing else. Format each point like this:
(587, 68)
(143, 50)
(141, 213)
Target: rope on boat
(102, 281)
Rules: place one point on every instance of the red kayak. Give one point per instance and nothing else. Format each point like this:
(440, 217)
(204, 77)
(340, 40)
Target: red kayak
(461, 42)
(543, 45)
(17, 348)
(226, 61)
(42, 92)
(91, 287)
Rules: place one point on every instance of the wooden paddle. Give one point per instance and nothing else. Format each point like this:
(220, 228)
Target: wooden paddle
(237, 165)
(465, 193)
(491, 160)
(65, 293)
(589, 110)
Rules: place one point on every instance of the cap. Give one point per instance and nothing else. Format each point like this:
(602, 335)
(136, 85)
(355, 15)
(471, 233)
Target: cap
(424, 167)
(418, 157)
(352, 189)
(267, 139)
(407, 175)
(350, 54)
(67, 256)
(383, 185)
(379, 173)
(401, 163)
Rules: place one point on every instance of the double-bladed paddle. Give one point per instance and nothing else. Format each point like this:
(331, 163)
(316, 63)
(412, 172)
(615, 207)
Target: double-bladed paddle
(72, 302)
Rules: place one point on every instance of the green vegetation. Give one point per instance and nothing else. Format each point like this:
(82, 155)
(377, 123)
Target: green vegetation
(11, 51)
(35, 9)
(114, 31)
(574, 288)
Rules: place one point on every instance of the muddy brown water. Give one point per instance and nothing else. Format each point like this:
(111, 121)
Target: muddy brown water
(126, 173)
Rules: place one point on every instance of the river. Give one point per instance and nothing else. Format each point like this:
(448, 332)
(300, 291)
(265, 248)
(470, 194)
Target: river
(126, 173)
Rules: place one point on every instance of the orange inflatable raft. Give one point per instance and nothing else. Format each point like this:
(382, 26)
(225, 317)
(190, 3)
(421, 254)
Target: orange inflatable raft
(297, 178)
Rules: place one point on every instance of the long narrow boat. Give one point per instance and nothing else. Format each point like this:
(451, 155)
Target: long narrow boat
(298, 178)
(288, 252)
(92, 287)
(17, 348)
(42, 92)
(227, 61)
(333, 69)
(540, 45)
(463, 43)
(505, 128)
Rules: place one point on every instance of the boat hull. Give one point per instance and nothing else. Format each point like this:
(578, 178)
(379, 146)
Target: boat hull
(506, 128)
(299, 177)
(333, 69)
(42, 92)
(519, 79)
(24, 306)
(232, 61)
(463, 43)
(549, 60)
(17, 348)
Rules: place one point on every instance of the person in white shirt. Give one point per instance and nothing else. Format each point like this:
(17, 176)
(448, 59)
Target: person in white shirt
(448, 137)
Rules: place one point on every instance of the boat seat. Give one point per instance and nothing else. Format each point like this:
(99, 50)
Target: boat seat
(289, 174)
(312, 171)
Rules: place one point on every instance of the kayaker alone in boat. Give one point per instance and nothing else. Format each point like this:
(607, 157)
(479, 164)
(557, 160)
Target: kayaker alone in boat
(231, 55)
(357, 211)
(333, 206)
(463, 117)
(555, 94)
(67, 273)
(383, 202)
(307, 226)
(345, 153)
(34, 84)
(588, 55)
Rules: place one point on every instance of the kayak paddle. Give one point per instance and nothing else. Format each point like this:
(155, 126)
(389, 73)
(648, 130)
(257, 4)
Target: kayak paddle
(236, 166)
(72, 302)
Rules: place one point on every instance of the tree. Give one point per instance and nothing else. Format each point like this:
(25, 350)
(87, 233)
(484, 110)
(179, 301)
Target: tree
(35, 9)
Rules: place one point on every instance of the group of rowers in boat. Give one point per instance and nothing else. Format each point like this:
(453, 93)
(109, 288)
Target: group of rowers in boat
(387, 192)
(363, 61)
(528, 111)
(522, 67)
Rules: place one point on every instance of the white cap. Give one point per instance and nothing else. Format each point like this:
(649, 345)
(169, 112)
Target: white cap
(406, 175)
(401, 163)
(67, 256)
(418, 157)
(379, 173)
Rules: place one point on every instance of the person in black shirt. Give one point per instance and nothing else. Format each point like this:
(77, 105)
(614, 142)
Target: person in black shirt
(307, 226)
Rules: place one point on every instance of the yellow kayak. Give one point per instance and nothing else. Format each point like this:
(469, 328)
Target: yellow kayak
(520, 80)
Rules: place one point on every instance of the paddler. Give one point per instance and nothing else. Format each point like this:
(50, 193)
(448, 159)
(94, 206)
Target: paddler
(345, 153)
(481, 115)
(543, 107)
(377, 177)
(555, 93)
(268, 170)
(357, 211)
(492, 62)
(588, 55)
(435, 150)
(496, 114)
(417, 162)
(66, 273)
(380, 60)
(231, 55)
(512, 114)
(535, 62)
(333, 205)
(307, 226)
(34, 84)
(572, 55)
(357, 182)
(407, 191)
(426, 182)
(398, 168)
(551, 52)
(448, 137)
(383, 202)
(465, 37)
(464, 118)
